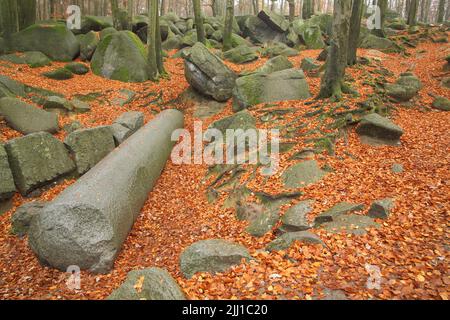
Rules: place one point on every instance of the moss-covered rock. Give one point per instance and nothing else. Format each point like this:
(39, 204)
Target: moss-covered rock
(77, 68)
(279, 49)
(106, 32)
(441, 103)
(94, 23)
(88, 44)
(59, 74)
(371, 41)
(275, 64)
(405, 88)
(375, 129)
(7, 187)
(53, 39)
(121, 56)
(308, 65)
(302, 174)
(36, 59)
(312, 37)
(241, 54)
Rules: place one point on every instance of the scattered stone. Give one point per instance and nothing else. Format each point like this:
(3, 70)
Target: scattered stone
(308, 65)
(241, 54)
(21, 219)
(213, 255)
(204, 107)
(263, 222)
(375, 129)
(240, 120)
(259, 32)
(206, 73)
(312, 36)
(37, 159)
(441, 103)
(405, 88)
(286, 240)
(275, 21)
(302, 174)
(54, 40)
(120, 133)
(259, 88)
(132, 120)
(89, 146)
(371, 41)
(59, 74)
(148, 284)
(121, 56)
(26, 118)
(351, 224)
(72, 126)
(55, 102)
(7, 186)
(339, 209)
(275, 64)
(381, 208)
(126, 96)
(397, 168)
(11, 88)
(279, 49)
(77, 68)
(80, 106)
(295, 219)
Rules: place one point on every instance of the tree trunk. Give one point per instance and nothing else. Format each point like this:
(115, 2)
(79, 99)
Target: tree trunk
(152, 33)
(307, 9)
(115, 14)
(355, 30)
(228, 30)
(26, 10)
(382, 4)
(412, 14)
(441, 11)
(163, 7)
(332, 84)
(9, 18)
(130, 6)
(199, 21)
(291, 10)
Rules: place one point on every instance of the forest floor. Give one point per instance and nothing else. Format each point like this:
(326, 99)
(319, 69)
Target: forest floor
(411, 248)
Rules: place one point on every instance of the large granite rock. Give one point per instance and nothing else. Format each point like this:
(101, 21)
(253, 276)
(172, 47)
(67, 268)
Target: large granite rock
(121, 56)
(381, 208)
(36, 59)
(259, 32)
(350, 224)
(275, 64)
(126, 125)
(336, 211)
(287, 239)
(206, 73)
(11, 88)
(53, 39)
(375, 129)
(240, 120)
(263, 222)
(289, 84)
(37, 159)
(405, 88)
(89, 146)
(26, 118)
(241, 54)
(371, 41)
(213, 255)
(88, 45)
(7, 187)
(274, 20)
(295, 219)
(302, 174)
(148, 284)
(24, 215)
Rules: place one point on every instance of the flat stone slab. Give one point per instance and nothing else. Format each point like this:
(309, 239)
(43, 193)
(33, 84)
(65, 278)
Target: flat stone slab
(148, 284)
(287, 239)
(375, 129)
(381, 208)
(26, 118)
(336, 211)
(213, 255)
(37, 159)
(351, 224)
(21, 219)
(89, 146)
(302, 174)
(295, 219)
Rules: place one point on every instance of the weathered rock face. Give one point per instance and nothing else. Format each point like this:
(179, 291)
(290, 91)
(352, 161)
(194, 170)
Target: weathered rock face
(59, 74)
(89, 146)
(37, 159)
(11, 88)
(121, 56)
(287, 239)
(381, 208)
(206, 73)
(106, 32)
(279, 49)
(241, 54)
(53, 39)
(405, 88)
(126, 125)
(375, 129)
(36, 59)
(275, 64)
(88, 222)
(302, 174)
(275, 21)
(21, 220)
(371, 41)
(295, 219)
(157, 284)
(259, 32)
(312, 36)
(441, 103)
(240, 120)
(259, 88)
(7, 187)
(308, 64)
(214, 255)
(263, 222)
(336, 211)
(26, 118)
(77, 68)
(88, 44)
(351, 224)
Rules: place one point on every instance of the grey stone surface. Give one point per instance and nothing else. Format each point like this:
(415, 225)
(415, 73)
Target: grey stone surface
(21, 219)
(405, 88)
(90, 146)
(206, 73)
(80, 106)
(295, 219)
(287, 239)
(302, 174)
(350, 224)
(148, 284)
(7, 187)
(120, 133)
(275, 64)
(441, 103)
(37, 159)
(381, 208)
(263, 222)
(55, 102)
(213, 255)
(337, 210)
(88, 222)
(132, 120)
(26, 118)
(397, 168)
(379, 130)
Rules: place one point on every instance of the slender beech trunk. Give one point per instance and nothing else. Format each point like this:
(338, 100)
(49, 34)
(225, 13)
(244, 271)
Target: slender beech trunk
(291, 10)
(441, 11)
(228, 30)
(332, 84)
(199, 21)
(412, 13)
(355, 30)
(152, 33)
(382, 4)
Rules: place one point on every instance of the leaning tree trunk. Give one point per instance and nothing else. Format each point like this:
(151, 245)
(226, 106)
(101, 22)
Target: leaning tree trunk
(228, 30)
(382, 4)
(307, 9)
(355, 30)
(441, 11)
(291, 10)
(412, 13)
(199, 21)
(152, 33)
(332, 84)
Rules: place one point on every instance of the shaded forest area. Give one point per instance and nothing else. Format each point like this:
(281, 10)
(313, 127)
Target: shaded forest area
(104, 195)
